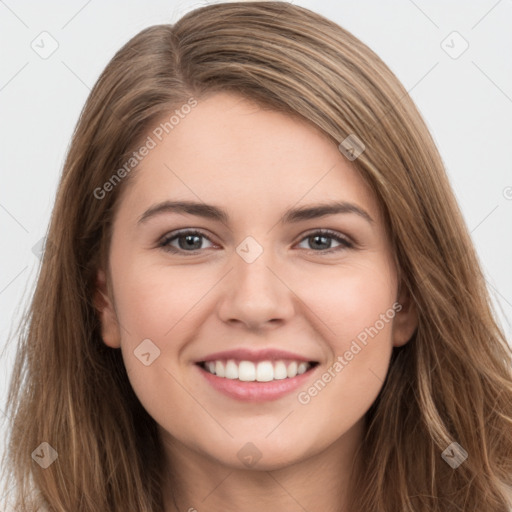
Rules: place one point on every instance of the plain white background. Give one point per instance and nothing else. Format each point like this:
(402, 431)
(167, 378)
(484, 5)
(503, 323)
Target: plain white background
(464, 94)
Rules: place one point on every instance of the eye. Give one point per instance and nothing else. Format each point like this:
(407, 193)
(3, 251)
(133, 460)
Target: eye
(191, 241)
(320, 240)
(188, 241)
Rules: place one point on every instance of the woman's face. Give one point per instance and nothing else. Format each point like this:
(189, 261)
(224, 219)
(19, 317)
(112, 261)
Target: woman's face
(217, 326)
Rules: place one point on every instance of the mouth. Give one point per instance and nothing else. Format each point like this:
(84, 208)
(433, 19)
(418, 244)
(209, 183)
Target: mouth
(256, 381)
(256, 371)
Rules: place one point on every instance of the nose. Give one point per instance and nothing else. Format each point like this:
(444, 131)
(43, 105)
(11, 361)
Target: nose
(255, 294)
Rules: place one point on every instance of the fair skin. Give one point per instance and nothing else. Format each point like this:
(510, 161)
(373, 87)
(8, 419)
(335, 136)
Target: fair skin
(307, 294)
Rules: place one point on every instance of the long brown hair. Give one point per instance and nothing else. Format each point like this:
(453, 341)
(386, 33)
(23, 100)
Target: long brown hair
(452, 383)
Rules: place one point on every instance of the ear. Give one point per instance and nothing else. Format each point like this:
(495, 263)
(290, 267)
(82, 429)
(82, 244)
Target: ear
(110, 331)
(406, 318)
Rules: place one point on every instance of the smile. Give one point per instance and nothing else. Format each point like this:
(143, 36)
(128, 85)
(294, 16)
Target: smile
(263, 371)
(256, 381)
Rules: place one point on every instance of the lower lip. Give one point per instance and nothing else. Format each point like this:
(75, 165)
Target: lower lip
(256, 391)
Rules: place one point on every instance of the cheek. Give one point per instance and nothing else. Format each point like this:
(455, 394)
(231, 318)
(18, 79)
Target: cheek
(158, 304)
(350, 300)
(154, 301)
(356, 311)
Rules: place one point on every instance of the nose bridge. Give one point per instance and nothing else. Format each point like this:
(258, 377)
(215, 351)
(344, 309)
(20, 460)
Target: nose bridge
(256, 293)
(253, 261)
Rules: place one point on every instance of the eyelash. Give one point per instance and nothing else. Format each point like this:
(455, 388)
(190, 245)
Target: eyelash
(345, 242)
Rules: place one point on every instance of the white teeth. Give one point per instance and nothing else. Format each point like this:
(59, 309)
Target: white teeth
(264, 371)
(231, 370)
(302, 368)
(292, 369)
(219, 369)
(280, 370)
(246, 371)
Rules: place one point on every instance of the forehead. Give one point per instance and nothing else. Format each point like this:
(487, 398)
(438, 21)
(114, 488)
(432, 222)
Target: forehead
(229, 150)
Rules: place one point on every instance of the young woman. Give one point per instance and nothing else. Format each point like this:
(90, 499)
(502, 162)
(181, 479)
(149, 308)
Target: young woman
(259, 291)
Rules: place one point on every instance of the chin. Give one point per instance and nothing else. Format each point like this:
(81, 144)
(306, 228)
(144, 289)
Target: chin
(261, 454)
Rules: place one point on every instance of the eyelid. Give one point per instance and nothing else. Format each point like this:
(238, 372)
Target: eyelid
(172, 235)
(345, 241)
(330, 232)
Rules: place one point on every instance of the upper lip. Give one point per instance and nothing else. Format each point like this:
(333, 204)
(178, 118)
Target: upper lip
(245, 354)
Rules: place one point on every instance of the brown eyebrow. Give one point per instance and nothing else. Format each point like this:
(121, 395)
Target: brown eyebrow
(292, 215)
